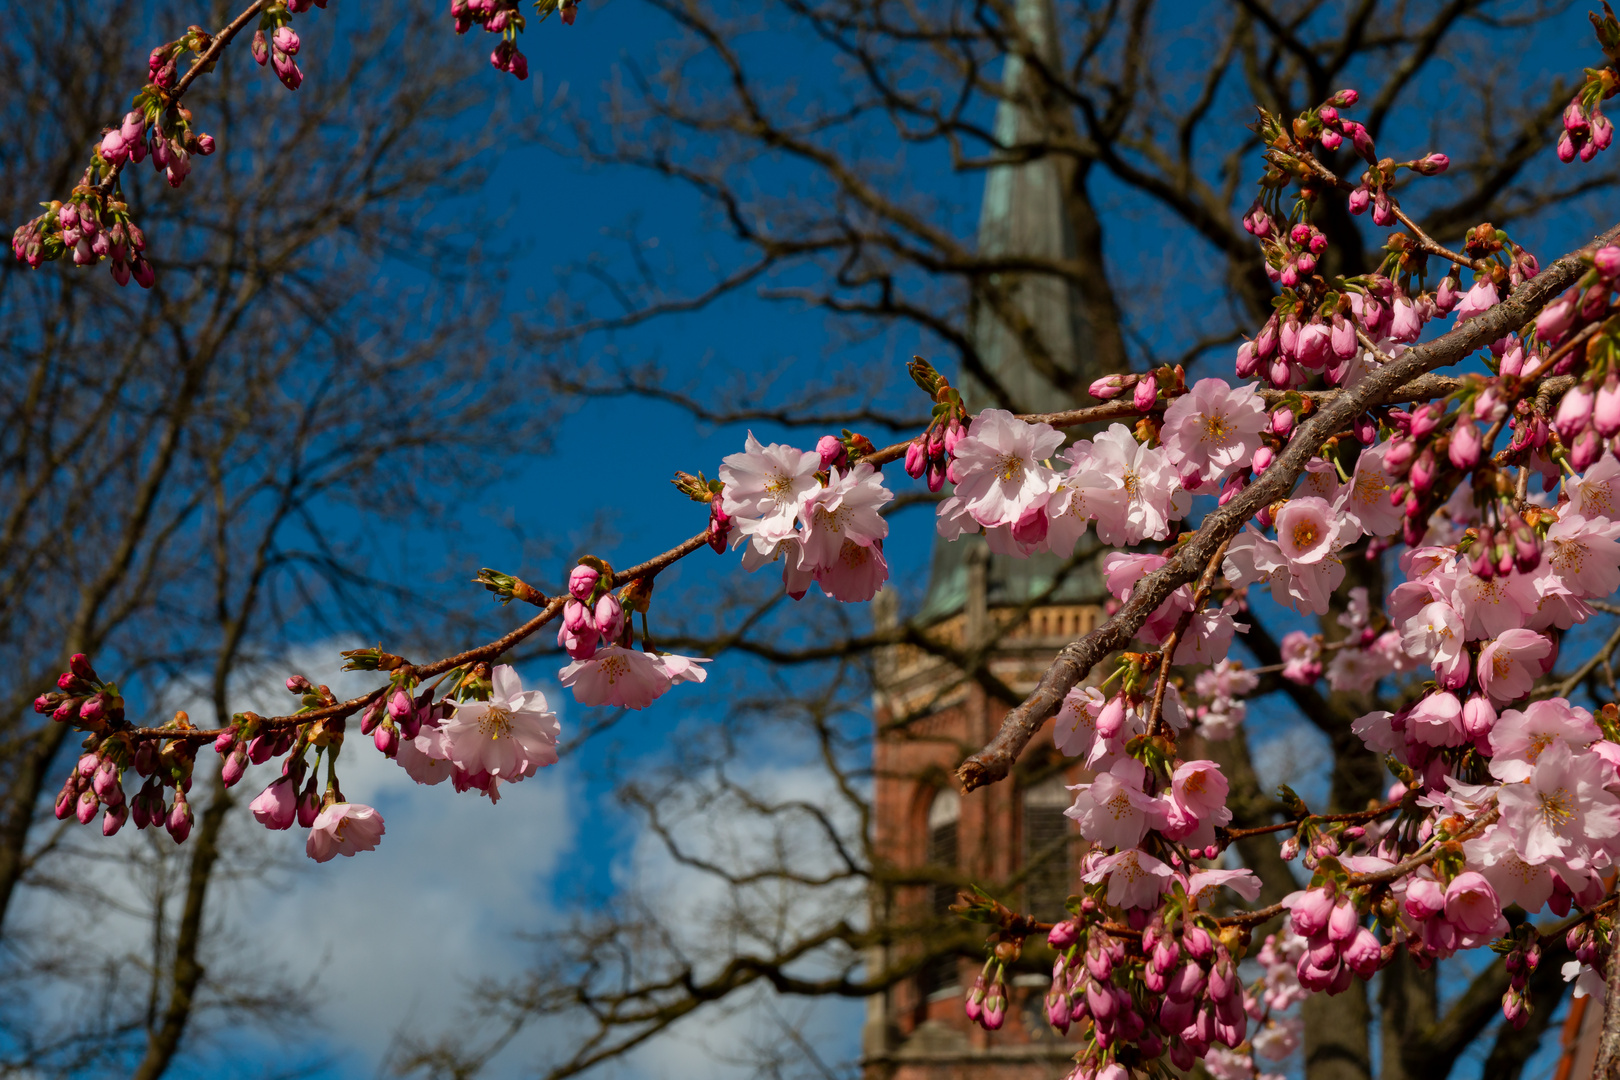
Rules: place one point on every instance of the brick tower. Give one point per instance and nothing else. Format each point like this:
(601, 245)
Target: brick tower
(1011, 837)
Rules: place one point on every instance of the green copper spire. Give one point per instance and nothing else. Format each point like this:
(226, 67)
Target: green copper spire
(1024, 213)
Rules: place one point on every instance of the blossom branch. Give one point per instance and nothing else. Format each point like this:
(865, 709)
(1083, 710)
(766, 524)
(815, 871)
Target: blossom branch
(1076, 660)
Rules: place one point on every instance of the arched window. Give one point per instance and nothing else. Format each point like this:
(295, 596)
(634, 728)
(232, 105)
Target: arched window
(944, 814)
(1047, 855)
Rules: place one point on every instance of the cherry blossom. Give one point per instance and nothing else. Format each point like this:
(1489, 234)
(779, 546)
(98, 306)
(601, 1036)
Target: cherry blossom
(1135, 878)
(624, 678)
(1211, 431)
(1583, 552)
(1562, 811)
(1510, 665)
(1113, 810)
(510, 735)
(844, 511)
(1519, 738)
(765, 488)
(1152, 493)
(1000, 467)
(344, 828)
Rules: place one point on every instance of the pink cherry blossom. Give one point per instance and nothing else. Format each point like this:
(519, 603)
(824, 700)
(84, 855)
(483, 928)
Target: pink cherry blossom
(1152, 493)
(1510, 665)
(1113, 810)
(1562, 812)
(1519, 738)
(846, 510)
(1135, 878)
(1479, 298)
(1074, 728)
(1513, 880)
(1492, 606)
(1596, 493)
(1212, 431)
(343, 829)
(1472, 906)
(765, 488)
(508, 736)
(1306, 530)
(1436, 633)
(1584, 553)
(683, 668)
(277, 805)
(1000, 470)
(856, 575)
(1436, 720)
(1202, 884)
(426, 758)
(624, 678)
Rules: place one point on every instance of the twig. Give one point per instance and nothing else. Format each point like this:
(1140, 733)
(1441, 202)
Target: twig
(1167, 651)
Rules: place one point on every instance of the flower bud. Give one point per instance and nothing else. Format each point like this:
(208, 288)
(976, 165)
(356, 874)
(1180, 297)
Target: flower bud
(309, 805)
(1574, 411)
(179, 819)
(1607, 261)
(1432, 164)
(609, 618)
(1606, 407)
(582, 582)
(1466, 445)
(1146, 393)
(916, 459)
(386, 738)
(832, 452)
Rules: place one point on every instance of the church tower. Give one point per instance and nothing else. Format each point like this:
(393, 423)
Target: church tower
(1011, 837)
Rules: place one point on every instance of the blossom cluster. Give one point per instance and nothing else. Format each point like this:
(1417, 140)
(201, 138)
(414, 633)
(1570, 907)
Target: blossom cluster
(813, 511)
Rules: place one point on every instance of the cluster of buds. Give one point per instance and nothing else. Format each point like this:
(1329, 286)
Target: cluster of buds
(986, 1003)
(931, 454)
(83, 699)
(1296, 343)
(1337, 946)
(593, 615)
(1521, 956)
(1587, 132)
(701, 489)
(1149, 390)
(275, 41)
(97, 779)
(503, 17)
(88, 228)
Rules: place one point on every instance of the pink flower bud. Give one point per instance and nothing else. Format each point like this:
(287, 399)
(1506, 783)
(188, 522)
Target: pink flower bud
(1574, 412)
(1331, 140)
(114, 147)
(1343, 923)
(1282, 422)
(114, 819)
(1432, 164)
(309, 805)
(1424, 898)
(916, 459)
(86, 807)
(582, 582)
(276, 807)
(609, 618)
(260, 48)
(1311, 911)
(1607, 261)
(832, 452)
(386, 738)
(1146, 393)
(1359, 198)
(286, 39)
(179, 820)
(1112, 718)
(1466, 445)
(1063, 935)
(1606, 407)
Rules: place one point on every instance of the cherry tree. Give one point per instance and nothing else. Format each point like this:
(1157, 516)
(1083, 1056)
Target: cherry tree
(1453, 415)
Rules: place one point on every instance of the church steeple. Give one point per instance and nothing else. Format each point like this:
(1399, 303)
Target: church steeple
(1025, 213)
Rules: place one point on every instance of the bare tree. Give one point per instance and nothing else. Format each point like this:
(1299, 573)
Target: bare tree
(193, 477)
